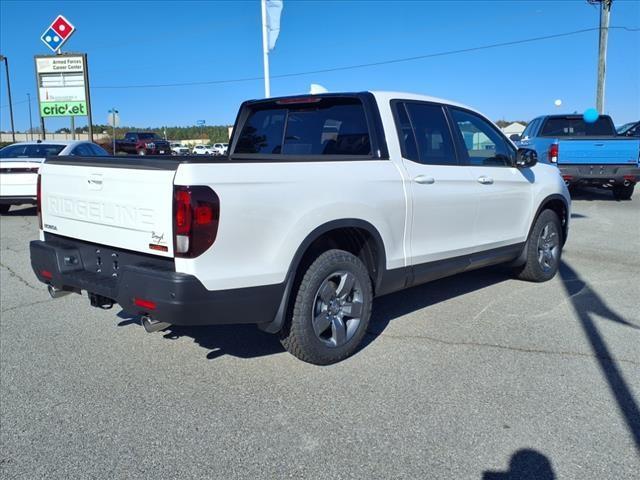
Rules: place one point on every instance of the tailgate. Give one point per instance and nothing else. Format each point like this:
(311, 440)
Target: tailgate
(610, 151)
(111, 202)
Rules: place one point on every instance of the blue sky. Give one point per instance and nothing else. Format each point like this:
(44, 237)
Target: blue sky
(140, 42)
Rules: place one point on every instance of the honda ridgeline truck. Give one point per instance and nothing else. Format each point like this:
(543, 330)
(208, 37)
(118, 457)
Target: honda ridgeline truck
(323, 203)
(590, 154)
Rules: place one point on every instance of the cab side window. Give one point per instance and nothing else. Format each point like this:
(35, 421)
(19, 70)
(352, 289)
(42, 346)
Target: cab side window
(482, 142)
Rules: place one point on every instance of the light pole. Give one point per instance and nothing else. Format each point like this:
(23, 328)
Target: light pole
(6, 68)
(30, 122)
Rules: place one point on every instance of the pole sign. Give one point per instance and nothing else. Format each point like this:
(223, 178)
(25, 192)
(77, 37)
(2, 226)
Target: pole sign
(200, 123)
(57, 33)
(62, 85)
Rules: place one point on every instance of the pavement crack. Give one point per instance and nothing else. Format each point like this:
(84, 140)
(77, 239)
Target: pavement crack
(501, 347)
(13, 273)
(24, 305)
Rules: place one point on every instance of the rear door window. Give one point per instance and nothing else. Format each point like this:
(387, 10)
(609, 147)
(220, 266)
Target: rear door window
(432, 135)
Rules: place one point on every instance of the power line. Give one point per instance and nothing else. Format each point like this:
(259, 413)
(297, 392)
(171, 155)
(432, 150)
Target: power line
(372, 64)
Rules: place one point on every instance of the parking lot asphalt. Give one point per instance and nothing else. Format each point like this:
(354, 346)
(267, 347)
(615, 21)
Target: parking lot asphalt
(475, 376)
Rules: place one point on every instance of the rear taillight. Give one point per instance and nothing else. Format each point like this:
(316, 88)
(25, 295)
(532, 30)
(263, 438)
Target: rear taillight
(196, 213)
(39, 200)
(553, 153)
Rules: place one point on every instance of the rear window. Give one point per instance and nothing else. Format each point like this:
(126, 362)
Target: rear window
(330, 126)
(576, 127)
(39, 150)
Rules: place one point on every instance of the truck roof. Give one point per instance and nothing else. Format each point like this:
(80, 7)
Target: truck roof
(380, 95)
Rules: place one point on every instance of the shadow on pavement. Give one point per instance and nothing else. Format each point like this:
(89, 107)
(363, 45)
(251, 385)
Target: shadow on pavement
(21, 212)
(247, 341)
(587, 303)
(244, 341)
(525, 464)
(396, 305)
(592, 194)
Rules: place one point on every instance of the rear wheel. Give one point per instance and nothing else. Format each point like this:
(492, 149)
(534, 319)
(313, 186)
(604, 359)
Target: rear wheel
(623, 193)
(543, 249)
(331, 310)
(4, 208)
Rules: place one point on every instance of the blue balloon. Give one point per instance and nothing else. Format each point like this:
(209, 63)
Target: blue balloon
(590, 115)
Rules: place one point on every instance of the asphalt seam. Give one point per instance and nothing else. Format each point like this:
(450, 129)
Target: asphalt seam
(501, 347)
(13, 273)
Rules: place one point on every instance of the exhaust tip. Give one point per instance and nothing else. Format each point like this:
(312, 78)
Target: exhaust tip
(57, 292)
(151, 325)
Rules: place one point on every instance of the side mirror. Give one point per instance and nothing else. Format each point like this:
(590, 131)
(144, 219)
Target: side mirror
(515, 137)
(526, 158)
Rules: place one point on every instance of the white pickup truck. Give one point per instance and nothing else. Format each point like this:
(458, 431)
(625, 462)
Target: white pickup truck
(323, 203)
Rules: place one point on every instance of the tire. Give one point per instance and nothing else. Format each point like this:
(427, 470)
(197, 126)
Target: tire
(543, 249)
(623, 193)
(331, 309)
(142, 151)
(4, 208)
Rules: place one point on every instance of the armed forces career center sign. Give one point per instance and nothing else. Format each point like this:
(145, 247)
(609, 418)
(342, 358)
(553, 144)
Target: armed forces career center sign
(62, 85)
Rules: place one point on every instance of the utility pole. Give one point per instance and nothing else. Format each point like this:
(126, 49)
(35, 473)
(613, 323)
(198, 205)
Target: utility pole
(605, 12)
(6, 67)
(30, 121)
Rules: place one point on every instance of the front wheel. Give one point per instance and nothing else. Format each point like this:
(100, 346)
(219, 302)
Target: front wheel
(623, 193)
(331, 311)
(543, 249)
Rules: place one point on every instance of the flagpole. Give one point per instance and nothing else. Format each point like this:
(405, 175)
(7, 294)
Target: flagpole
(265, 50)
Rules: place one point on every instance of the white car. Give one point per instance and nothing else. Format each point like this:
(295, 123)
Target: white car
(220, 148)
(324, 202)
(19, 164)
(203, 150)
(179, 149)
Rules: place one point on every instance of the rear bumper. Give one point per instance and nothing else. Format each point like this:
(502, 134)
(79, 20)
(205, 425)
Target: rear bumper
(600, 174)
(171, 297)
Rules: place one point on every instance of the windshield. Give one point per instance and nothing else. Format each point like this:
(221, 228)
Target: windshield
(577, 127)
(38, 150)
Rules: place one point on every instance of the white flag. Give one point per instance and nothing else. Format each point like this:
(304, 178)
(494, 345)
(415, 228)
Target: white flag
(274, 10)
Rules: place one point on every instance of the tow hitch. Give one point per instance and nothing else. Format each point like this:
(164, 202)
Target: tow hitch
(99, 301)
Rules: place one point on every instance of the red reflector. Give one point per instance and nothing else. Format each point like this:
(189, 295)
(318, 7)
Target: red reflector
(631, 178)
(46, 274)
(39, 200)
(567, 177)
(289, 101)
(204, 215)
(160, 248)
(141, 302)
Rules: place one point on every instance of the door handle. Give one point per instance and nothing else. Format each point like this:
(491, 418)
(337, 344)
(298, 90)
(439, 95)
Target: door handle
(424, 180)
(485, 180)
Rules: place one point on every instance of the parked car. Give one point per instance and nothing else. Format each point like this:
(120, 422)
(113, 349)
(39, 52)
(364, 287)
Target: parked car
(19, 164)
(587, 153)
(179, 149)
(324, 202)
(631, 129)
(220, 148)
(143, 143)
(203, 150)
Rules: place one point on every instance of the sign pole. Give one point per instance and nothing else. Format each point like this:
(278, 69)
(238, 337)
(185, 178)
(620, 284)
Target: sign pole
(88, 97)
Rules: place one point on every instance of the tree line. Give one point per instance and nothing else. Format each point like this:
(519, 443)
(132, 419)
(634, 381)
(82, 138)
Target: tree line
(213, 133)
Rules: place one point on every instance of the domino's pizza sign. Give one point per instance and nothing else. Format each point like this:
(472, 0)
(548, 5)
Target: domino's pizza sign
(57, 33)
